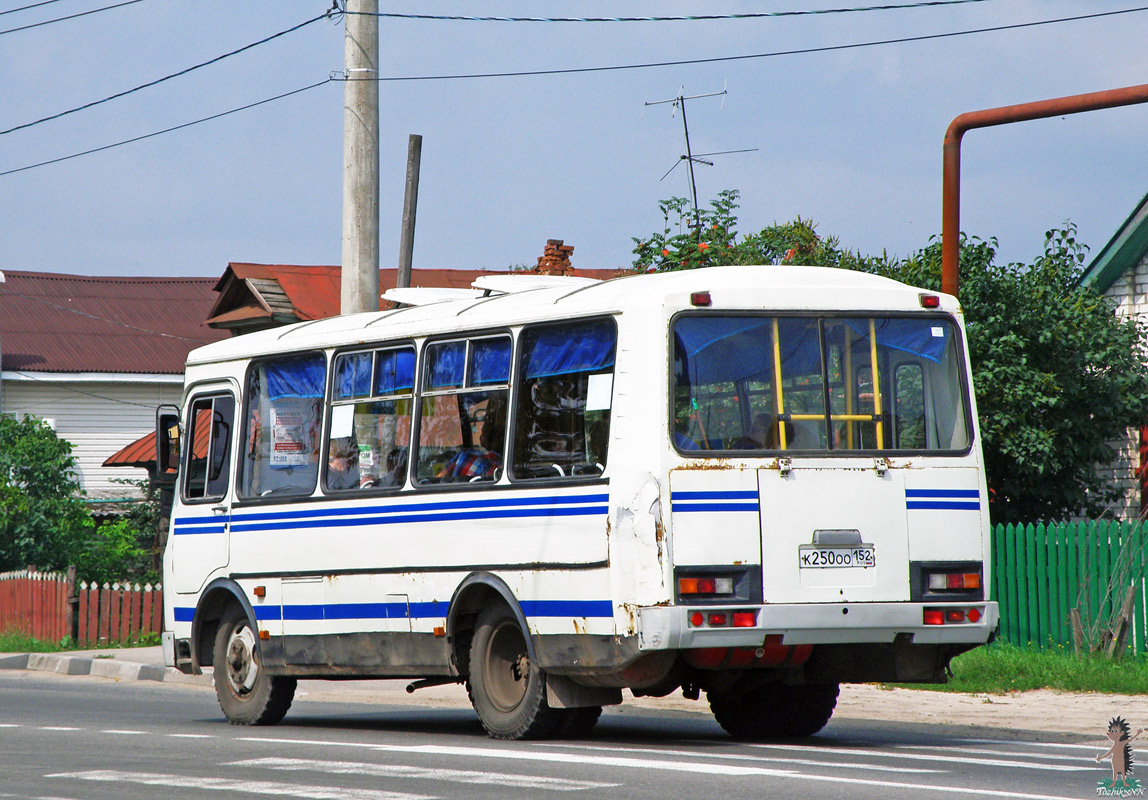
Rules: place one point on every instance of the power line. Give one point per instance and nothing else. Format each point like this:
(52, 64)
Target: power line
(167, 130)
(70, 16)
(682, 18)
(166, 77)
(25, 8)
(775, 53)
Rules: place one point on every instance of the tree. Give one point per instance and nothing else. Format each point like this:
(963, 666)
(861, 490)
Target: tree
(684, 245)
(1058, 375)
(42, 518)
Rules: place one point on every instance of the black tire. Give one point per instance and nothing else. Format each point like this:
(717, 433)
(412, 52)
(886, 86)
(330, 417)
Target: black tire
(775, 710)
(764, 712)
(247, 694)
(508, 692)
(577, 722)
(814, 708)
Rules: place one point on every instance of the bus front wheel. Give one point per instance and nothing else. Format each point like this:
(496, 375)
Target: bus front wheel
(507, 690)
(247, 694)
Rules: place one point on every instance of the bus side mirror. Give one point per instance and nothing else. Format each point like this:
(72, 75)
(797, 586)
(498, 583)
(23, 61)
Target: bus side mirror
(167, 430)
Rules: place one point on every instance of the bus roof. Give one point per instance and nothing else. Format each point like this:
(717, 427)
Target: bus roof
(768, 287)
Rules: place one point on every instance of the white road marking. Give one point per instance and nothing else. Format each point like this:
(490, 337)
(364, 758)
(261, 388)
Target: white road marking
(989, 762)
(426, 773)
(8, 725)
(190, 736)
(663, 765)
(983, 751)
(850, 765)
(59, 728)
(229, 785)
(1014, 742)
(125, 733)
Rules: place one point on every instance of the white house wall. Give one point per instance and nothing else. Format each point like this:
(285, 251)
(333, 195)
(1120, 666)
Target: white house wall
(1131, 294)
(97, 415)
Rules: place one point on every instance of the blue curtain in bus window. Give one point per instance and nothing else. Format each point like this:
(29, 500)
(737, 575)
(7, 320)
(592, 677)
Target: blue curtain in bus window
(300, 377)
(489, 362)
(920, 337)
(561, 350)
(395, 371)
(718, 349)
(353, 376)
(445, 363)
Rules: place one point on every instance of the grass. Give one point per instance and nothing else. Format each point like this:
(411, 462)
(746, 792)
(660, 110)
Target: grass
(1000, 668)
(12, 642)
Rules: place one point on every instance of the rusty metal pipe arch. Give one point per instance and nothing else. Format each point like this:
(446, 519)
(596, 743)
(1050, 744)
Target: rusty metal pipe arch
(1041, 109)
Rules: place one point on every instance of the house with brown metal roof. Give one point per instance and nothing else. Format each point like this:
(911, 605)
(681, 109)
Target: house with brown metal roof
(253, 297)
(94, 356)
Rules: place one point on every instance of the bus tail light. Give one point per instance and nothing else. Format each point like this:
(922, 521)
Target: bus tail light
(944, 581)
(745, 619)
(930, 301)
(705, 585)
(951, 616)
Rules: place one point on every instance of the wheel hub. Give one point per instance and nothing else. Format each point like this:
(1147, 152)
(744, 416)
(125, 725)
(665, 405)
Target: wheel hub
(242, 667)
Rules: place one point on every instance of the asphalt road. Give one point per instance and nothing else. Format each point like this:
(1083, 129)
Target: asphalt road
(86, 738)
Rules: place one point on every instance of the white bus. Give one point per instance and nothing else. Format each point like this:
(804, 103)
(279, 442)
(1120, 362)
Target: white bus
(753, 482)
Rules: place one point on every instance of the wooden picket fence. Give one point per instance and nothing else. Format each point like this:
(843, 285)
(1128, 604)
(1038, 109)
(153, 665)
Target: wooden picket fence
(51, 606)
(1091, 573)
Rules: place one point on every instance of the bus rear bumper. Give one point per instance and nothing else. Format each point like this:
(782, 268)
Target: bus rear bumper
(674, 628)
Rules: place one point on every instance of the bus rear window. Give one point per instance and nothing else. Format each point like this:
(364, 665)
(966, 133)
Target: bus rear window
(761, 383)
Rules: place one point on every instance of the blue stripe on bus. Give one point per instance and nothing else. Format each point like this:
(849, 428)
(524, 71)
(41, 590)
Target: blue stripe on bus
(688, 507)
(942, 505)
(428, 610)
(943, 499)
(972, 493)
(494, 508)
(288, 525)
(188, 530)
(727, 495)
(395, 508)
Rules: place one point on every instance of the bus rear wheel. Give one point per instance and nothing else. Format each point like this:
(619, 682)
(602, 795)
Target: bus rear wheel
(507, 690)
(247, 694)
(775, 710)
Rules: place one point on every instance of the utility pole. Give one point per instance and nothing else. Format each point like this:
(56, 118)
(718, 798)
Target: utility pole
(410, 207)
(359, 288)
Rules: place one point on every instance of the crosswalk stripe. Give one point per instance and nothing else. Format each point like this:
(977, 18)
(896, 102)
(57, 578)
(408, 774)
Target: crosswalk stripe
(988, 762)
(425, 773)
(230, 785)
(664, 765)
(806, 762)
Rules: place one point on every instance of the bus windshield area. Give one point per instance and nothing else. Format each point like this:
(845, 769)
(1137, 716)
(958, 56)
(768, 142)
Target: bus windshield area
(774, 383)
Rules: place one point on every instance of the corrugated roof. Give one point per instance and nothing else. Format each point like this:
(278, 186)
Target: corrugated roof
(51, 322)
(247, 291)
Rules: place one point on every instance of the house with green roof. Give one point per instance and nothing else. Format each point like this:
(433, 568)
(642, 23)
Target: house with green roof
(1120, 271)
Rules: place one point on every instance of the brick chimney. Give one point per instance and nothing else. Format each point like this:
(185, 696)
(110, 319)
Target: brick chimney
(555, 258)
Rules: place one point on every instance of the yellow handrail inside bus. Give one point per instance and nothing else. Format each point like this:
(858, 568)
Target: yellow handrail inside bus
(777, 384)
(876, 383)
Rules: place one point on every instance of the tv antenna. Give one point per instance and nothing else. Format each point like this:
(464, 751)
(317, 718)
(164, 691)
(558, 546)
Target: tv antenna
(689, 157)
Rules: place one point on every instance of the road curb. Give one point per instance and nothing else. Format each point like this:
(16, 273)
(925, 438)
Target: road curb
(99, 667)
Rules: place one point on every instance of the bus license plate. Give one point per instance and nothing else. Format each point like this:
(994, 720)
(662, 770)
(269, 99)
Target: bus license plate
(815, 557)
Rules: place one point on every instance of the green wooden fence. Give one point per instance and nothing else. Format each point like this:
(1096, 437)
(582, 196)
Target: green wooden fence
(1042, 573)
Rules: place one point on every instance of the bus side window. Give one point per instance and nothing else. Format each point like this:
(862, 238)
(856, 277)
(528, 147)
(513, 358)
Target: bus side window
(209, 456)
(562, 420)
(282, 413)
(462, 418)
(370, 420)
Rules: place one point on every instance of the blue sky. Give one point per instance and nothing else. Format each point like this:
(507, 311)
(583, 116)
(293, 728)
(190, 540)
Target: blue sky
(851, 139)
